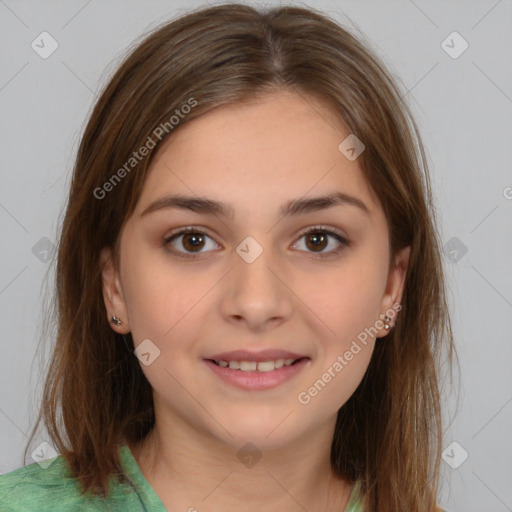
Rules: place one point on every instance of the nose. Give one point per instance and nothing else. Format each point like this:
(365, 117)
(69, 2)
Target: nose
(257, 293)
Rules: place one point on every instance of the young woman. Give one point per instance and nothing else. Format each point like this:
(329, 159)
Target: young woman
(251, 305)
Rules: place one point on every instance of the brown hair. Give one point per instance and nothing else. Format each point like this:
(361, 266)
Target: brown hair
(389, 433)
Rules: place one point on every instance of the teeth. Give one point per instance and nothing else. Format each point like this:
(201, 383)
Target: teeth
(251, 366)
(248, 366)
(266, 366)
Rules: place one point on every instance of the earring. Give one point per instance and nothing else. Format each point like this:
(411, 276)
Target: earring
(386, 322)
(116, 320)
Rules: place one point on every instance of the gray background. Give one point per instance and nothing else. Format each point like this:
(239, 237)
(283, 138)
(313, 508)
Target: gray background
(463, 106)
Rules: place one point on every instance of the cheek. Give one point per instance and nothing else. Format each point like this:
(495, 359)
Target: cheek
(156, 299)
(343, 308)
(162, 310)
(156, 304)
(344, 302)
(335, 383)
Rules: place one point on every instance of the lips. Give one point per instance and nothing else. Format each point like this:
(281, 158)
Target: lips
(257, 370)
(262, 373)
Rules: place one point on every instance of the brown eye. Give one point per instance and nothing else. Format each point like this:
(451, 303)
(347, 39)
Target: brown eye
(316, 241)
(193, 240)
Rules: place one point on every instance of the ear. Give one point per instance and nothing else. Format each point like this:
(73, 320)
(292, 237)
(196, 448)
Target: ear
(112, 292)
(394, 290)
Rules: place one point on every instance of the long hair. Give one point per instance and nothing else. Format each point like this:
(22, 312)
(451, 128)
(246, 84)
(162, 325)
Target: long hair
(388, 434)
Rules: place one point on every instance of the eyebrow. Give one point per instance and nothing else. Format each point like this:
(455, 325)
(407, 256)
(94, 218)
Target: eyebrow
(299, 206)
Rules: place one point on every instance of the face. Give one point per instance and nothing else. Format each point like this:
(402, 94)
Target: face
(250, 278)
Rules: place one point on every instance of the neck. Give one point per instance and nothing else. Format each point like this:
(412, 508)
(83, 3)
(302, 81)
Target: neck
(191, 471)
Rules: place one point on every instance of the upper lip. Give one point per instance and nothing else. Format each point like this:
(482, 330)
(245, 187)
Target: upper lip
(264, 355)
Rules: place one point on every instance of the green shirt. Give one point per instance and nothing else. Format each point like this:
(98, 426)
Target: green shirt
(33, 488)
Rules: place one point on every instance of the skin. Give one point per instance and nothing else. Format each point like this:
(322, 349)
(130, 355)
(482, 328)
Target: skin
(254, 156)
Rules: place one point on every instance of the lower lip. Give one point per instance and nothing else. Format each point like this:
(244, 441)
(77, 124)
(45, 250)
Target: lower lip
(257, 380)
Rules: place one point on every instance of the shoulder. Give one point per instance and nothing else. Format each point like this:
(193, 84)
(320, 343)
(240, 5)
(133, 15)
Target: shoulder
(43, 488)
(355, 503)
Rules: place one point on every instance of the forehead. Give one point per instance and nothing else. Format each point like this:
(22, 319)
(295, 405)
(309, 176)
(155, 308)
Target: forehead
(279, 146)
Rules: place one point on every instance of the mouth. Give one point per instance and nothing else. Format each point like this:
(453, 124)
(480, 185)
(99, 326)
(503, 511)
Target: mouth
(255, 366)
(257, 371)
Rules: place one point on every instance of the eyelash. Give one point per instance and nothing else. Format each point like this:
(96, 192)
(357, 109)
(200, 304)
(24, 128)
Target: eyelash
(314, 229)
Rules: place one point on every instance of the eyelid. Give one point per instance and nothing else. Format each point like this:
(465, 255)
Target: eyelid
(323, 227)
(187, 229)
(202, 230)
(341, 237)
(329, 230)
